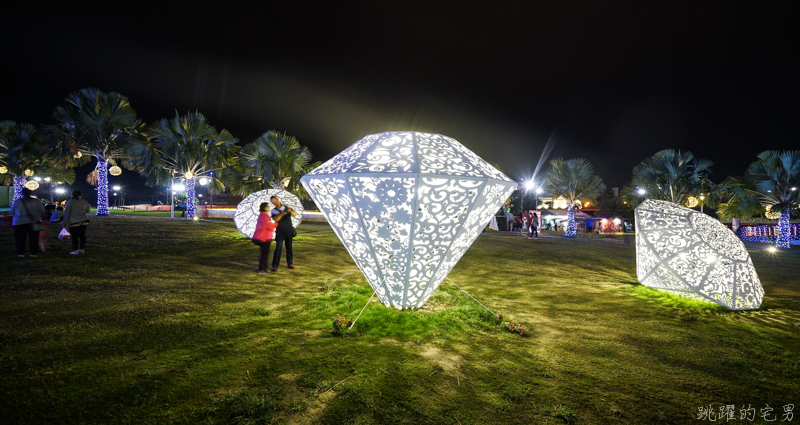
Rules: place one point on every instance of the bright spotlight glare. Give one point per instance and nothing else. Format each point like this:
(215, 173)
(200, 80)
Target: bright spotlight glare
(642, 191)
(772, 249)
(529, 185)
(59, 190)
(539, 190)
(38, 179)
(116, 187)
(203, 181)
(196, 218)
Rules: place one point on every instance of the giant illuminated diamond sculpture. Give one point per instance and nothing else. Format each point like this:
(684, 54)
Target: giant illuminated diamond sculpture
(246, 215)
(407, 206)
(689, 253)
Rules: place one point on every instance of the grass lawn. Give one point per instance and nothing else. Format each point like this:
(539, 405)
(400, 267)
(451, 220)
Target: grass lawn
(167, 322)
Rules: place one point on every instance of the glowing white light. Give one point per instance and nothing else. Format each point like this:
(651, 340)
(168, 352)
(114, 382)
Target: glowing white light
(772, 215)
(203, 181)
(59, 190)
(642, 192)
(247, 211)
(116, 187)
(617, 221)
(539, 190)
(196, 218)
(47, 179)
(772, 249)
(407, 206)
(187, 175)
(37, 178)
(178, 188)
(529, 185)
(682, 251)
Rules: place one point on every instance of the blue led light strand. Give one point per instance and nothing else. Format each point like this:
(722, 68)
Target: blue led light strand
(19, 184)
(571, 229)
(102, 187)
(190, 194)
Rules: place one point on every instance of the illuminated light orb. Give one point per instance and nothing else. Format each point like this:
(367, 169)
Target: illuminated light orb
(32, 184)
(560, 203)
(692, 202)
(246, 215)
(188, 175)
(688, 253)
(772, 215)
(3, 169)
(77, 155)
(406, 206)
(115, 170)
(28, 172)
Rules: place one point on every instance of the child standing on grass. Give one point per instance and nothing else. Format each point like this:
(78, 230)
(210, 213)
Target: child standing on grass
(263, 235)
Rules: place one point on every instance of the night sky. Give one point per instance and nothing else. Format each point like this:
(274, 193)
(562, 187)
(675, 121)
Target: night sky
(610, 82)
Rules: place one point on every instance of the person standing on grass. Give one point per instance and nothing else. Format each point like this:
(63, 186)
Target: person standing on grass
(76, 217)
(263, 235)
(534, 229)
(283, 234)
(26, 211)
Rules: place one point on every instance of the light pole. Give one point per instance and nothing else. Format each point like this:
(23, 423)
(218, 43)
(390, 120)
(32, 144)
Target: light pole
(116, 198)
(175, 188)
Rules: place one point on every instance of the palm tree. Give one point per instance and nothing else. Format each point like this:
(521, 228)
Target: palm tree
(672, 176)
(776, 176)
(742, 199)
(272, 160)
(574, 179)
(98, 125)
(20, 154)
(187, 146)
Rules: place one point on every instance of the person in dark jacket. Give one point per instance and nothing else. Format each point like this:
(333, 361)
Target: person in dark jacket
(26, 211)
(283, 234)
(76, 219)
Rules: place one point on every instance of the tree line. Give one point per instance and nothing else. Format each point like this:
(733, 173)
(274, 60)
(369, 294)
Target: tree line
(94, 125)
(768, 187)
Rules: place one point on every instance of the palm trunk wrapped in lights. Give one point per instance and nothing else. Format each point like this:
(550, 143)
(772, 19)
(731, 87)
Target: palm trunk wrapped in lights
(190, 194)
(783, 230)
(571, 229)
(19, 184)
(102, 187)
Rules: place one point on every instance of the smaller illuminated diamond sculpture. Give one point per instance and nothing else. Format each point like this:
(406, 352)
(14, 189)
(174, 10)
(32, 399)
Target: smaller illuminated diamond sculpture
(246, 215)
(686, 252)
(407, 206)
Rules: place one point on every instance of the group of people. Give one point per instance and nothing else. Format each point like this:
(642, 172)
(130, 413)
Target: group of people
(274, 224)
(515, 224)
(29, 217)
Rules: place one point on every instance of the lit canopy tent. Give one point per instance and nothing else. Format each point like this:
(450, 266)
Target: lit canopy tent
(246, 215)
(686, 252)
(407, 206)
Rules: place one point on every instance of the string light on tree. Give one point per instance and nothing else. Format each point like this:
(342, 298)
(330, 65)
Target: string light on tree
(692, 202)
(102, 188)
(3, 169)
(115, 171)
(32, 185)
(28, 173)
(770, 214)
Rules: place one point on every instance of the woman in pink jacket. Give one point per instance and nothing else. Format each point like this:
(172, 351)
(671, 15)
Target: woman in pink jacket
(263, 235)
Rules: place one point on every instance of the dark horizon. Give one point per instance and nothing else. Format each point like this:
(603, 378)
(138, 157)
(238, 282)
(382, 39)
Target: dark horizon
(612, 82)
